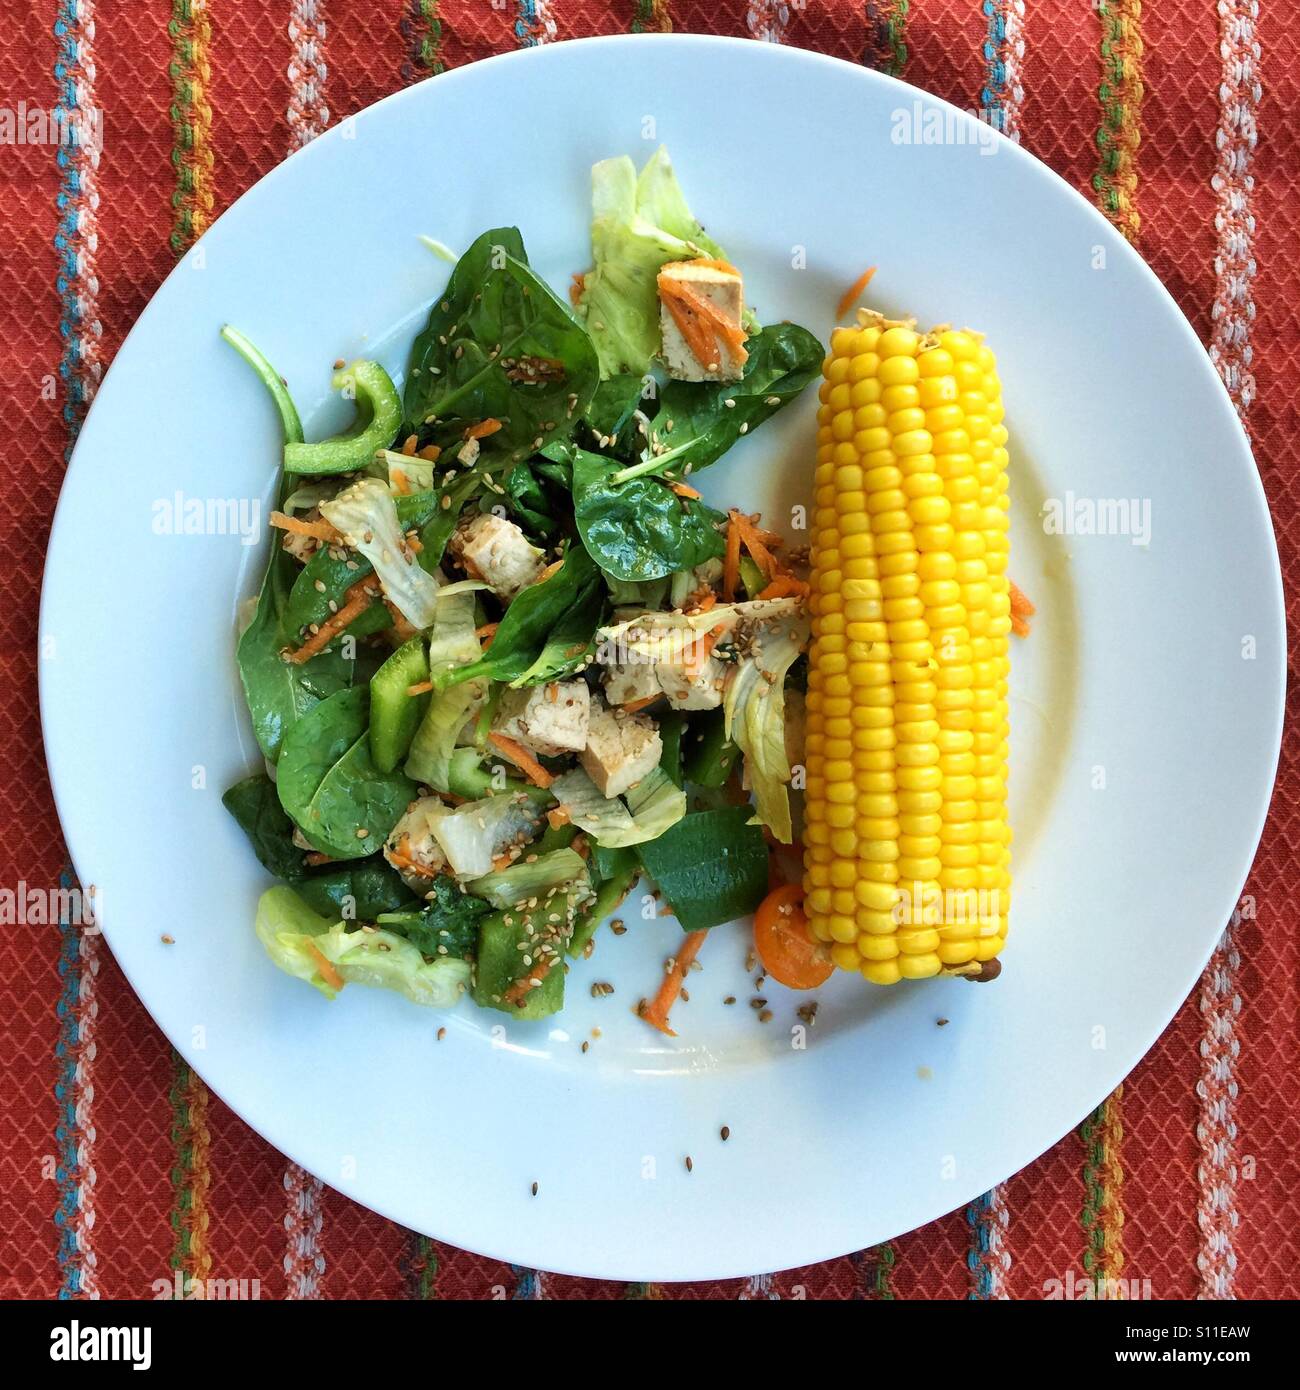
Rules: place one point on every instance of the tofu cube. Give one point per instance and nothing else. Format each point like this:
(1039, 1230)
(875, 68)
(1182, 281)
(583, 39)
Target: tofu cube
(497, 551)
(621, 749)
(548, 719)
(626, 683)
(692, 689)
(725, 291)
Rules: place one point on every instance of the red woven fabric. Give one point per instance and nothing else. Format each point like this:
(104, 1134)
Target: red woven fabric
(116, 1168)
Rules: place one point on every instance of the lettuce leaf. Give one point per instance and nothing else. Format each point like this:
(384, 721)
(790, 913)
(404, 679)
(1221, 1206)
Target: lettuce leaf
(367, 517)
(754, 710)
(295, 938)
(637, 226)
(646, 811)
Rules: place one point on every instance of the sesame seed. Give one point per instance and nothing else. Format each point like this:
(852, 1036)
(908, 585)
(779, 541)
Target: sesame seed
(690, 1167)
(765, 1016)
(585, 1044)
(730, 999)
(362, 833)
(167, 940)
(534, 1189)
(744, 427)
(725, 1132)
(442, 1033)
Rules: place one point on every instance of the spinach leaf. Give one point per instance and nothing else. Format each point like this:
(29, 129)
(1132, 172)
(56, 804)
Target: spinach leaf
(527, 499)
(640, 529)
(359, 891)
(255, 805)
(522, 637)
(571, 642)
(695, 424)
(711, 866)
(330, 786)
(279, 693)
(608, 425)
(448, 919)
(499, 344)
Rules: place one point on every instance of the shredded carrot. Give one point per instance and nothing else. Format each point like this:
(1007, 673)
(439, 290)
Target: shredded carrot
(538, 971)
(414, 544)
(502, 861)
(576, 287)
(854, 292)
(487, 630)
(431, 453)
(644, 702)
(326, 968)
(315, 859)
(557, 816)
(320, 530)
(763, 557)
(710, 263)
(408, 445)
(685, 490)
(1020, 603)
(402, 630)
(357, 600)
(420, 688)
(701, 322)
(701, 650)
(548, 571)
(785, 586)
(731, 564)
(656, 1012)
(1021, 610)
(484, 428)
(523, 760)
(701, 601)
(401, 484)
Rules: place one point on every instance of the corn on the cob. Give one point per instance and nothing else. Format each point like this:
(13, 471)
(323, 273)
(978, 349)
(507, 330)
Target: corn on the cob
(907, 848)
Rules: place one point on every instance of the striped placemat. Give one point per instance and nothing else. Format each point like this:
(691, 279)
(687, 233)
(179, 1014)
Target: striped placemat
(119, 1174)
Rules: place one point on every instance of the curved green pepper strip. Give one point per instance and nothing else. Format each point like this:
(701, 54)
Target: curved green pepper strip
(379, 417)
(270, 378)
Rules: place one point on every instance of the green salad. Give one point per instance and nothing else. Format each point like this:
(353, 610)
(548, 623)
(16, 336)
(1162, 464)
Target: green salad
(505, 659)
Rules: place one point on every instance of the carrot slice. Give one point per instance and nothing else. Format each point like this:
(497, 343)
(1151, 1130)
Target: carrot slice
(763, 557)
(785, 586)
(710, 263)
(320, 530)
(854, 292)
(576, 287)
(684, 490)
(1021, 610)
(701, 650)
(557, 816)
(522, 759)
(484, 428)
(731, 563)
(488, 630)
(356, 602)
(1020, 604)
(326, 968)
(644, 702)
(656, 1012)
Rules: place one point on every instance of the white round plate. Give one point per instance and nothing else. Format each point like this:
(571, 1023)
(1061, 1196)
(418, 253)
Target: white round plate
(1146, 704)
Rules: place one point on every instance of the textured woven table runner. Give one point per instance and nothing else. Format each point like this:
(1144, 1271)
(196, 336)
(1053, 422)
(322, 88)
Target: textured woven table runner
(120, 1175)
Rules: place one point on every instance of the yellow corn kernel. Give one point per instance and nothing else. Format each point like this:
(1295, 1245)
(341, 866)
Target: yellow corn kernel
(907, 860)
